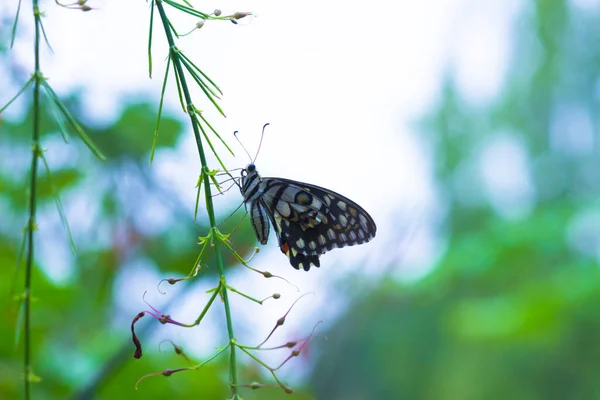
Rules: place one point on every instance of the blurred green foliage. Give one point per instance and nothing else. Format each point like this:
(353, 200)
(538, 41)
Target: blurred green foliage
(511, 310)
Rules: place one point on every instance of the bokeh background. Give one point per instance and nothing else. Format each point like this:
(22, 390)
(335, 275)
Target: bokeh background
(468, 129)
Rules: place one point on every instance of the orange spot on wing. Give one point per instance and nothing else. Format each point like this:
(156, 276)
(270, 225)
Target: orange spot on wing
(284, 248)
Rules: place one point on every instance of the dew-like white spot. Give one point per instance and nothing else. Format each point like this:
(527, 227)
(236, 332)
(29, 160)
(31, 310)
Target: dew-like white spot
(343, 220)
(363, 222)
(322, 239)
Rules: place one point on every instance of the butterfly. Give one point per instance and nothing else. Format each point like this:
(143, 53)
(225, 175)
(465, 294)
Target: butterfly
(308, 220)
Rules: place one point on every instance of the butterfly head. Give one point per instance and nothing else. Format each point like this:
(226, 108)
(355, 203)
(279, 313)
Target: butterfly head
(249, 171)
(250, 168)
(250, 178)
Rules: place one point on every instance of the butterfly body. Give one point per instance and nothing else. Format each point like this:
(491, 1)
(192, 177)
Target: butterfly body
(309, 220)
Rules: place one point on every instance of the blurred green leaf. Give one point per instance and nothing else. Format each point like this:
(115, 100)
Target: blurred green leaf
(132, 134)
(61, 180)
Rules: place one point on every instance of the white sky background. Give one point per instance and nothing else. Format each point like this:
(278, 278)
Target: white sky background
(341, 83)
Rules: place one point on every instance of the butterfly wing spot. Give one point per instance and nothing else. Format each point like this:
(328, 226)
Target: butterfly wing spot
(311, 219)
(322, 240)
(343, 220)
(341, 205)
(364, 223)
(284, 209)
(361, 234)
(312, 245)
(284, 248)
(303, 198)
(352, 236)
(352, 211)
(327, 199)
(304, 261)
(300, 243)
(343, 237)
(331, 234)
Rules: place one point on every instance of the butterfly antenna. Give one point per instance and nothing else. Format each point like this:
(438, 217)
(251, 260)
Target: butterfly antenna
(262, 135)
(240, 142)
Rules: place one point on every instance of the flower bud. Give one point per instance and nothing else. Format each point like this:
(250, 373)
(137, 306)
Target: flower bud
(240, 15)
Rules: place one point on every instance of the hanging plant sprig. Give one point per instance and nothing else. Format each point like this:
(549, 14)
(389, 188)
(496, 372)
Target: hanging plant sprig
(183, 68)
(40, 86)
(185, 73)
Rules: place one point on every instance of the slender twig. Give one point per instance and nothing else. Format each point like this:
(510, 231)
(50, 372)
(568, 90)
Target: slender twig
(179, 73)
(31, 224)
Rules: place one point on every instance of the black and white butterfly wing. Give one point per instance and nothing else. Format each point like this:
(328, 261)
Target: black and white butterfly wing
(310, 220)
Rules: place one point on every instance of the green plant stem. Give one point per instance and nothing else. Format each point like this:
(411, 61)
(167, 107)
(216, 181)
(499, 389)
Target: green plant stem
(209, 204)
(31, 225)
